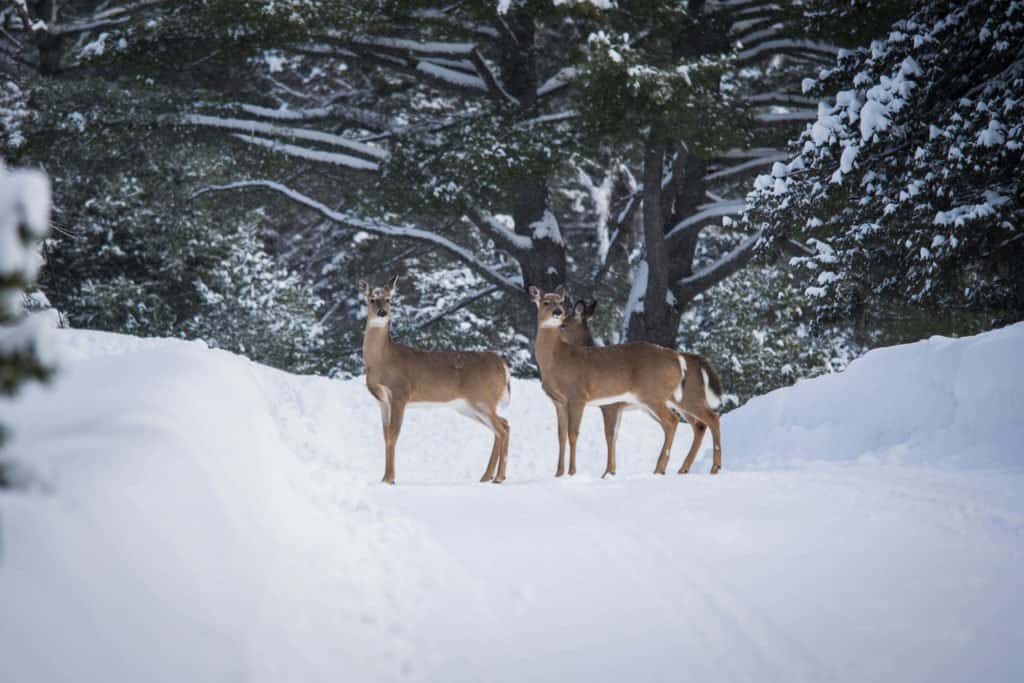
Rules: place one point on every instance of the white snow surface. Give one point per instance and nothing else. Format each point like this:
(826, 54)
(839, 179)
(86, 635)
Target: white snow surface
(193, 516)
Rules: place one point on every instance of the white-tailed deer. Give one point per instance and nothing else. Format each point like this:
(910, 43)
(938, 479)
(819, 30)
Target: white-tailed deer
(475, 383)
(670, 386)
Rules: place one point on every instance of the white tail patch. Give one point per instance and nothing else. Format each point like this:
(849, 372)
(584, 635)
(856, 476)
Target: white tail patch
(678, 393)
(710, 396)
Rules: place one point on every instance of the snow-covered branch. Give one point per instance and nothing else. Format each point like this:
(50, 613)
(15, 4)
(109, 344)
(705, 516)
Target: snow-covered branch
(375, 227)
(309, 154)
(750, 166)
(361, 117)
(706, 278)
(561, 79)
(705, 214)
(806, 48)
(498, 231)
(261, 128)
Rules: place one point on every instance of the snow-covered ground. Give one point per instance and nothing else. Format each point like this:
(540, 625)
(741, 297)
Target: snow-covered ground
(197, 517)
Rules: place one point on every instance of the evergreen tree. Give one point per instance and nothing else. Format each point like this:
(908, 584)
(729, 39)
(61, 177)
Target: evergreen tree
(908, 189)
(24, 222)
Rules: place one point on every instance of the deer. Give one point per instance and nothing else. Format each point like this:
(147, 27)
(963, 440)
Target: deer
(670, 386)
(474, 383)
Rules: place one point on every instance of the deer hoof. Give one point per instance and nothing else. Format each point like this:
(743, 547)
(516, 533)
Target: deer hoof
(607, 473)
(486, 478)
(496, 480)
(684, 470)
(390, 482)
(715, 469)
(559, 473)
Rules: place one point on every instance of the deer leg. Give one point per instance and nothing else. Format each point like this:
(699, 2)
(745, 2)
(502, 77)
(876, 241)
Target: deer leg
(563, 421)
(699, 428)
(669, 422)
(502, 444)
(575, 418)
(716, 435)
(391, 430)
(499, 426)
(611, 414)
(493, 462)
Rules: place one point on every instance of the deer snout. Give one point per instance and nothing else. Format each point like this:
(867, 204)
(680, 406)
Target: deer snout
(382, 312)
(557, 313)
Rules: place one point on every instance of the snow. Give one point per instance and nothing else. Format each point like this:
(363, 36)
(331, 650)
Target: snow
(24, 221)
(546, 228)
(194, 516)
(459, 78)
(335, 158)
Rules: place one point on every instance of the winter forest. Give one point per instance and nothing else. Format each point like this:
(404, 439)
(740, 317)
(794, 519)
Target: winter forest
(206, 206)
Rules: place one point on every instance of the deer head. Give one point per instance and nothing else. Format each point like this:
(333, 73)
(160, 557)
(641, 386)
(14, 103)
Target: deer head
(378, 302)
(576, 327)
(550, 306)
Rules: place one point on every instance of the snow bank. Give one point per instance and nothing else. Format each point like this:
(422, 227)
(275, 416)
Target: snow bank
(953, 403)
(197, 517)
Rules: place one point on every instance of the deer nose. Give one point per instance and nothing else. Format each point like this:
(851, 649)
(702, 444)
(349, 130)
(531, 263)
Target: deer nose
(557, 312)
(382, 312)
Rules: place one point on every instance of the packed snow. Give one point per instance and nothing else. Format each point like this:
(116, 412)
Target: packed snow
(187, 515)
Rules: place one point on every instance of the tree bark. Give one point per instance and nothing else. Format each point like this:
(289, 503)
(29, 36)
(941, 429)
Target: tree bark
(658, 322)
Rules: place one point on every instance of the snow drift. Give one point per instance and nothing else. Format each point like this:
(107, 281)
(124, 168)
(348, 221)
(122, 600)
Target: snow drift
(194, 516)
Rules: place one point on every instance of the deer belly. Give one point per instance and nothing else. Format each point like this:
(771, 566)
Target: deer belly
(627, 397)
(459, 405)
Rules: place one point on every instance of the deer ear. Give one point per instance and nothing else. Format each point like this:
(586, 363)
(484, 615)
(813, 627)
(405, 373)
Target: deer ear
(364, 286)
(591, 307)
(579, 308)
(394, 284)
(535, 294)
(560, 293)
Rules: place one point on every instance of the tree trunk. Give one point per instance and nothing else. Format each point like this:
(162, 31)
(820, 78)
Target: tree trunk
(543, 265)
(50, 47)
(658, 322)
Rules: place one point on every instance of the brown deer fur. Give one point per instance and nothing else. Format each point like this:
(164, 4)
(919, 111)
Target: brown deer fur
(475, 383)
(652, 377)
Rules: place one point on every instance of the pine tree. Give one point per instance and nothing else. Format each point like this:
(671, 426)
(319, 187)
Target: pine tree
(24, 222)
(908, 188)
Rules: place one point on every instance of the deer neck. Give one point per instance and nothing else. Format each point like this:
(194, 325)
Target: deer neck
(376, 342)
(549, 346)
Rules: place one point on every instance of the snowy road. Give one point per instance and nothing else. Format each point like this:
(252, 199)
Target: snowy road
(198, 517)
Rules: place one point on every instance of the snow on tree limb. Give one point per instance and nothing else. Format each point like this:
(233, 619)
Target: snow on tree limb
(808, 48)
(442, 16)
(561, 79)
(335, 158)
(729, 207)
(495, 229)
(451, 76)
(748, 166)
(258, 127)
(361, 117)
(706, 278)
(375, 227)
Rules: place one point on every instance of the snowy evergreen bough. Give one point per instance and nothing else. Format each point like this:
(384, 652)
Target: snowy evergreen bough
(24, 222)
(907, 189)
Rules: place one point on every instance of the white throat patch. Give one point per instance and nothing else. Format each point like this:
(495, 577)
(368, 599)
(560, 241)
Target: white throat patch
(552, 322)
(378, 322)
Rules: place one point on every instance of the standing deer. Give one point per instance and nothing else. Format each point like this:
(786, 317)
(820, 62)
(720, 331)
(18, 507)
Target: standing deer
(475, 383)
(648, 376)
